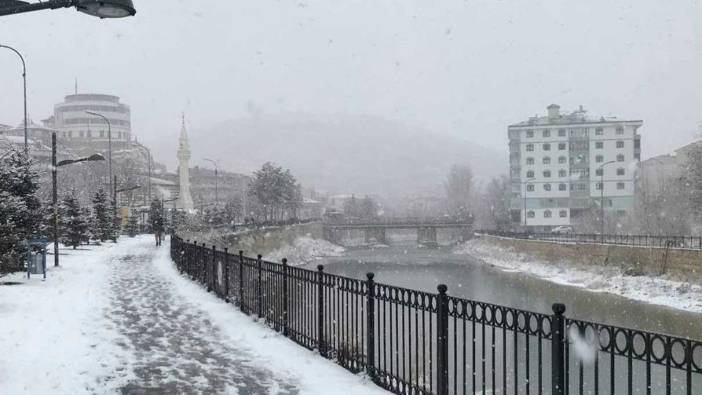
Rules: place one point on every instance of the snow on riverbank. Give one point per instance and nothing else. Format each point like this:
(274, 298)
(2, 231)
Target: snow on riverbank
(305, 250)
(596, 278)
(53, 335)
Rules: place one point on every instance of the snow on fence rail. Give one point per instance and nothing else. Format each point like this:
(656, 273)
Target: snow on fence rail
(414, 342)
(649, 241)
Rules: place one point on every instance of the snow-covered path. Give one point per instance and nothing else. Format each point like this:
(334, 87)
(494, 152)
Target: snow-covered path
(119, 318)
(177, 348)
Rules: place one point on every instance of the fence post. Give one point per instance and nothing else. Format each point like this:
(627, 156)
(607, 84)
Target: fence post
(212, 286)
(203, 259)
(557, 349)
(442, 368)
(226, 274)
(241, 281)
(320, 311)
(370, 327)
(258, 288)
(285, 297)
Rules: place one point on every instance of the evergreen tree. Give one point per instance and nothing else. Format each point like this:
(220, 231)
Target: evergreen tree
(74, 226)
(20, 209)
(101, 226)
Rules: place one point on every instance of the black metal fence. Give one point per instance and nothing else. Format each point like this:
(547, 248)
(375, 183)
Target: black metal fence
(649, 241)
(413, 342)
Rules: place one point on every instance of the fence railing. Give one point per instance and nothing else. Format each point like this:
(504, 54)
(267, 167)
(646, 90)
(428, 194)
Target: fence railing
(649, 241)
(414, 342)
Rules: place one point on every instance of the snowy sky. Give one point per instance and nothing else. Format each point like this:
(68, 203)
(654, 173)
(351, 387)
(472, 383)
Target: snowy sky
(466, 68)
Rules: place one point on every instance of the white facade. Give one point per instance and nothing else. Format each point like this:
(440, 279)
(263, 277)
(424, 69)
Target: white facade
(555, 164)
(75, 125)
(185, 199)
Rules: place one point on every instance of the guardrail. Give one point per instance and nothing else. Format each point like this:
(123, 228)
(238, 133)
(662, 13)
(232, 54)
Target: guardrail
(415, 342)
(649, 241)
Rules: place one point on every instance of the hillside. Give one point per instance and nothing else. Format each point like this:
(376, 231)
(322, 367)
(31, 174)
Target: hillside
(354, 154)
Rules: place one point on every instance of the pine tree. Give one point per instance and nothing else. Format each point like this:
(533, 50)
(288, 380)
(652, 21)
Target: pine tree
(20, 209)
(74, 226)
(101, 225)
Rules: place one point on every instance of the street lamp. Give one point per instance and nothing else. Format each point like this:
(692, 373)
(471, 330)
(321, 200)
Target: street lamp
(216, 184)
(525, 200)
(24, 79)
(54, 167)
(601, 169)
(98, 8)
(109, 150)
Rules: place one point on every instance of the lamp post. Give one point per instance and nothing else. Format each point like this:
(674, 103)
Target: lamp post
(214, 162)
(601, 168)
(109, 151)
(525, 200)
(98, 8)
(54, 194)
(24, 79)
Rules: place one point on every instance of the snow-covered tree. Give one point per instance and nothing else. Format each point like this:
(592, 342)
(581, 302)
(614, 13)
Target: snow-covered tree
(21, 213)
(275, 192)
(74, 225)
(459, 186)
(101, 224)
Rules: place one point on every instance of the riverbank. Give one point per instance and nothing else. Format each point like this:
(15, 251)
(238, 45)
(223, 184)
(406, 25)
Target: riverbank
(662, 290)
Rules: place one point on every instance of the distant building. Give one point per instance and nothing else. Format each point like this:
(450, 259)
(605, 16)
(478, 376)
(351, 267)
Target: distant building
(80, 129)
(559, 164)
(658, 170)
(38, 140)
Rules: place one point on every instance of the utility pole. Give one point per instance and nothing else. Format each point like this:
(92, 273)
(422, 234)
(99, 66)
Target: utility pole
(54, 197)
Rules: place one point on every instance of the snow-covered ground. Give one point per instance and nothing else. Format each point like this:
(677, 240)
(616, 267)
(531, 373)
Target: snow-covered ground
(305, 250)
(597, 278)
(119, 317)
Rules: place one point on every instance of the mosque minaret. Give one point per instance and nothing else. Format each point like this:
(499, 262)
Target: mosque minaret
(185, 200)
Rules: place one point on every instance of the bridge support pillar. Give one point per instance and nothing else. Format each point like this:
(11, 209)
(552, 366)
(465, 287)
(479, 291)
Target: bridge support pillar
(426, 236)
(375, 235)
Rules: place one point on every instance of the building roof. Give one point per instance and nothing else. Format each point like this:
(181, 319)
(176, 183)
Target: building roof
(576, 117)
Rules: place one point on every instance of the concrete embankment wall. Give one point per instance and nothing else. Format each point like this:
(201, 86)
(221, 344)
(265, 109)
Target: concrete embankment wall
(258, 241)
(680, 264)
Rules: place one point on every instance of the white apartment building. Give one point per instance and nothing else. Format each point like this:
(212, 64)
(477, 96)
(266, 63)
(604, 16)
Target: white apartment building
(560, 163)
(77, 127)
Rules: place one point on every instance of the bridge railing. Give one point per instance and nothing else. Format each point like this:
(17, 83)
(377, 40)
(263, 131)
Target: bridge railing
(399, 221)
(632, 240)
(414, 342)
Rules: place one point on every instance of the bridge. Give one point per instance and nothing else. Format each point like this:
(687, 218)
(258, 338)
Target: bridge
(376, 230)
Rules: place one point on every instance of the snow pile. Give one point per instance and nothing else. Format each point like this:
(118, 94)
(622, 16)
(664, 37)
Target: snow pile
(311, 373)
(596, 278)
(305, 250)
(53, 335)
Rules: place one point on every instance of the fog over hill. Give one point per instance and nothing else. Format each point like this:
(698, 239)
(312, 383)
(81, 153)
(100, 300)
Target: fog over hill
(345, 153)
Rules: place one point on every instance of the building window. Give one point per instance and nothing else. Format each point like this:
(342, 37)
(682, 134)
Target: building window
(563, 213)
(530, 187)
(620, 130)
(530, 174)
(599, 145)
(598, 131)
(530, 133)
(620, 171)
(561, 132)
(620, 144)
(599, 158)
(547, 173)
(562, 187)
(547, 147)
(561, 146)
(547, 214)
(598, 172)
(546, 160)
(530, 214)
(546, 133)
(530, 147)
(620, 185)
(562, 159)
(598, 186)
(562, 173)
(547, 187)
(620, 158)
(530, 161)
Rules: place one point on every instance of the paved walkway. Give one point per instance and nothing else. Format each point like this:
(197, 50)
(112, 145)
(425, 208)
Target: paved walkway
(178, 350)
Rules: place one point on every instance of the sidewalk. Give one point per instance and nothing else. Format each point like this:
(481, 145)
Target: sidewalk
(120, 318)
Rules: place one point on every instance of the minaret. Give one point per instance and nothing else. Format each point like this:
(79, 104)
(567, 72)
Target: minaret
(185, 200)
